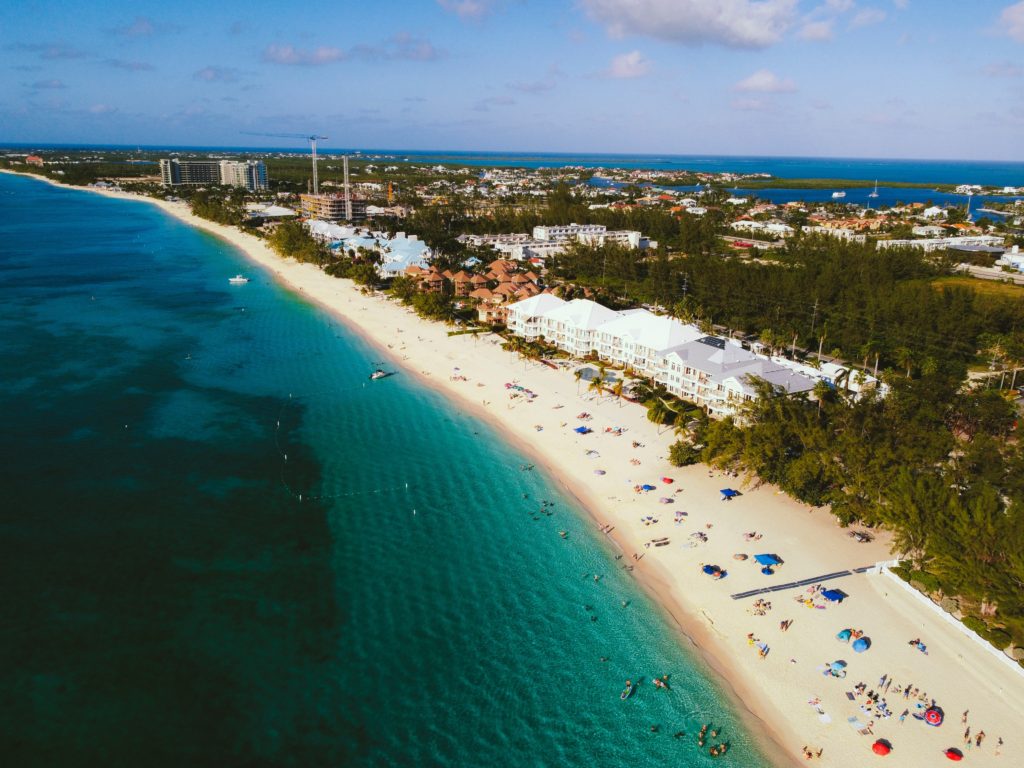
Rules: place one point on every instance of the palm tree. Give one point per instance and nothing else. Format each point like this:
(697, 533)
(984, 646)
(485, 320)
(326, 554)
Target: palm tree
(821, 391)
(597, 385)
(904, 358)
(579, 375)
(617, 391)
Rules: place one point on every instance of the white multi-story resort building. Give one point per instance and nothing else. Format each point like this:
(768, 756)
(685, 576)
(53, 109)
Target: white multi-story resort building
(716, 374)
(547, 241)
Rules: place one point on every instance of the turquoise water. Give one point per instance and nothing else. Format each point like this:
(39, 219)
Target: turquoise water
(934, 171)
(169, 601)
(887, 196)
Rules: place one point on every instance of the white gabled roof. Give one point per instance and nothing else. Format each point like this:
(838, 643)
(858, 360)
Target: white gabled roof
(649, 330)
(537, 305)
(581, 313)
(729, 364)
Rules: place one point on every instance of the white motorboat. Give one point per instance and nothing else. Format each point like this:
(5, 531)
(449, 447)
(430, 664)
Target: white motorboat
(838, 195)
(238, 280)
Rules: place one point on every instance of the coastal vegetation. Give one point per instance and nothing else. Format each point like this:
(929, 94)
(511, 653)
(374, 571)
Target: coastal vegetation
(292, 240)
(939, 466)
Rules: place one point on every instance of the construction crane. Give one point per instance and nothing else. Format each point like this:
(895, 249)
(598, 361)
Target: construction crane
(312, 139)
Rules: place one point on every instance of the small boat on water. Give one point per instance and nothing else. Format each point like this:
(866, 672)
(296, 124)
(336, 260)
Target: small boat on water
(875, 192)
(238, 280)
(628, 690)
(838, 195)
(380, 373)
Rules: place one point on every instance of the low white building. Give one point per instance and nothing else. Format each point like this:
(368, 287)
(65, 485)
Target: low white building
(714, 373)
(772, 228)
(526, 318)
(719, 375)
(940, 243)
(573, 325)
(840, 233)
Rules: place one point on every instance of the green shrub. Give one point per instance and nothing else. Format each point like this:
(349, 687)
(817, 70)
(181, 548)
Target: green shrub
(1000, 638)
(903, 573)
(683, 454)
(925, 581)
(975, 624)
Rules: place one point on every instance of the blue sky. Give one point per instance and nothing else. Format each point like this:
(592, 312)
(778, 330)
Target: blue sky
(871, 78)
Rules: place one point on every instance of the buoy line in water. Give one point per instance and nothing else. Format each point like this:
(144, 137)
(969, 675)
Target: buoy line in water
(306, 495)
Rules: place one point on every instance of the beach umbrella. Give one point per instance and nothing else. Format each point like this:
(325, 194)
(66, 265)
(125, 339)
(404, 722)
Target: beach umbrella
(646, 487)
(934, 716)
(838, 665)
(768, 559)
(711, 569)
(834, 595)
(667, 480)
(728, 493)
(844, 635)
(954, 754)
(881, 747)
(861, 644)
(598, 471)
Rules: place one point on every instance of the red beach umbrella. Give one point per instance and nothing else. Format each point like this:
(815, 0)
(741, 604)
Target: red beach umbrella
(954, 754)
(881, 748)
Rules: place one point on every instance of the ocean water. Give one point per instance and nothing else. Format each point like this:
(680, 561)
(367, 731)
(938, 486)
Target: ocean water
(936, 171)
(169, 600)
(887, 196)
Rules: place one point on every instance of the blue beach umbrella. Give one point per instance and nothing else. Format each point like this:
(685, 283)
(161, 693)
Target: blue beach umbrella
(861, 644)
(769, 560)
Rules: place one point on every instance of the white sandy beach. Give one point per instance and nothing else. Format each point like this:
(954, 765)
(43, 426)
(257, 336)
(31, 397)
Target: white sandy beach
(957, 671)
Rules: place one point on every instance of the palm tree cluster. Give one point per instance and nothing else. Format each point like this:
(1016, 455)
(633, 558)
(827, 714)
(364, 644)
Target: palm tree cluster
(937, 465)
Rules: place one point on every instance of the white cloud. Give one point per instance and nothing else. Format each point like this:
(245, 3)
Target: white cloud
(733, 23)
(102, 109)
(1012, 21)
(216, 75)
(141, 27)
(764, 81)
(1002, 69)
(467, 9)
(839, 6)
(628, 65)
(129, 65)
(287, 54)
(867, 17)
(48, 85)
(816, 30)
(751, 105)
(901, 5)
(401, 46)
(484, 105)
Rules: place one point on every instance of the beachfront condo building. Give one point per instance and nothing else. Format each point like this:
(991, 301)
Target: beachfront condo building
(176, 172)
(251, 174)
(715, 373)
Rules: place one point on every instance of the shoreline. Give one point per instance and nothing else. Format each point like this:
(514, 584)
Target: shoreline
(769, 694)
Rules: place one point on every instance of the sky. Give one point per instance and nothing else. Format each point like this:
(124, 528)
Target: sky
(847, 78)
